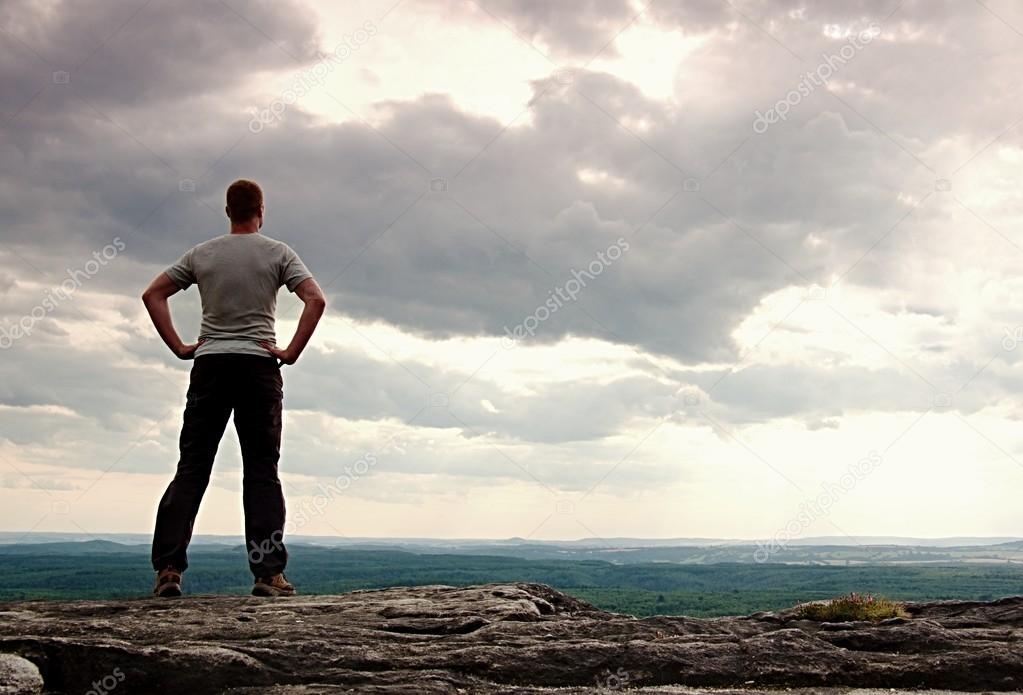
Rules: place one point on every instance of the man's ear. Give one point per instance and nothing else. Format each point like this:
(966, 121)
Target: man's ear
(228, 211)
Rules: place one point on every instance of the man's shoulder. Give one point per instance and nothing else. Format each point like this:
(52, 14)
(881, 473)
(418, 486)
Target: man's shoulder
(209, 243)
(227, 244)
(271, 240)
(225, 239)
(277, 245)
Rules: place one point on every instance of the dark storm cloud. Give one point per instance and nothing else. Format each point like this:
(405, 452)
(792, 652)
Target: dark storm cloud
(93, 153)
(154, 106)
(132, 53)
(515, 221)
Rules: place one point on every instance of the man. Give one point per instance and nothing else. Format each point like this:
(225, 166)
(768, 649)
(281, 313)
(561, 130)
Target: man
(236, 369)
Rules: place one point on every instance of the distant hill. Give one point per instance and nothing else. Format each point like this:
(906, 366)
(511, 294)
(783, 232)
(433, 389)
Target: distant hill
(92, 547)
(12, 537)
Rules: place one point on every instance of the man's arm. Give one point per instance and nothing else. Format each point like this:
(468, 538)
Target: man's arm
(155, 299)
(312, 296)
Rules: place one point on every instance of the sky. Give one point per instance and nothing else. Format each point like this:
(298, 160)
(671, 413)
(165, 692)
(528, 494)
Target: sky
(717, 268)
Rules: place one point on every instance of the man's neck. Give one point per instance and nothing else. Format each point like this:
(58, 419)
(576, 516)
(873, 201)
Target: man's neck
(246, 228)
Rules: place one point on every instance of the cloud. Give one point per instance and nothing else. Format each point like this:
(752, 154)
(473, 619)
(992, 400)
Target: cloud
(794, 206)
(579, 29)
(892, 190)
(130, 53)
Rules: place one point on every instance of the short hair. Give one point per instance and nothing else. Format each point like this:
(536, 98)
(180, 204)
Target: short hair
(244, 199)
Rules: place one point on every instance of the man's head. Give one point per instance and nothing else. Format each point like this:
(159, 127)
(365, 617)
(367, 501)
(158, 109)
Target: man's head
(245, 202)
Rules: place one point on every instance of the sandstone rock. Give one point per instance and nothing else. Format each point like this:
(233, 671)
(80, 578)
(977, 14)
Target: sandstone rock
(510, 638)
(19, 676)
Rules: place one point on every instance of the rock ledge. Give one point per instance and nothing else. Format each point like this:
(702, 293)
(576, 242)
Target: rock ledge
(496, 638)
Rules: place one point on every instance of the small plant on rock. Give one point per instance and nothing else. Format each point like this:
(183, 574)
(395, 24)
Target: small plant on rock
(853, 606)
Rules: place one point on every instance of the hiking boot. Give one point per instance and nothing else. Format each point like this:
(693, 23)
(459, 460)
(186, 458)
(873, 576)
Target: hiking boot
(277, 585)
(168, 583)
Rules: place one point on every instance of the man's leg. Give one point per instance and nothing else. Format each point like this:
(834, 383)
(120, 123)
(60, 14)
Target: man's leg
(207, 410)
(257, 418)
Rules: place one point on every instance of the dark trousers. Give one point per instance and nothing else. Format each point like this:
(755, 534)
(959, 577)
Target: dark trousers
(251, 387)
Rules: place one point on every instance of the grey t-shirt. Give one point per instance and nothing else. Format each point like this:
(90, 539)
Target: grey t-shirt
(238, 277)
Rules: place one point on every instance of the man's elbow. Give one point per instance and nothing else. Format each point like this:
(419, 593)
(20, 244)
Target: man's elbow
(318, 303)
